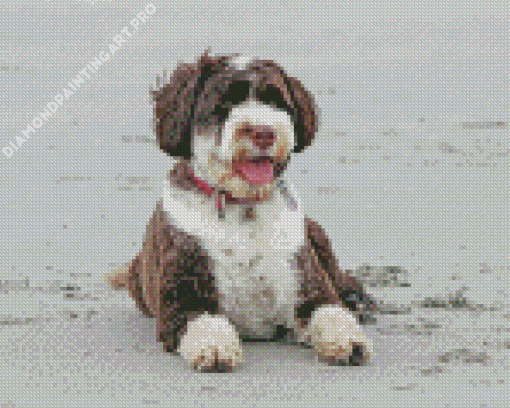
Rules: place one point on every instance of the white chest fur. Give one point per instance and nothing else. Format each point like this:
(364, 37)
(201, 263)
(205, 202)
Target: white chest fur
(254, 264)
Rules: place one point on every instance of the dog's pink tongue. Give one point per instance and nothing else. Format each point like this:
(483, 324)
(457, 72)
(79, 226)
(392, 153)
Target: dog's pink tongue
(257, 173)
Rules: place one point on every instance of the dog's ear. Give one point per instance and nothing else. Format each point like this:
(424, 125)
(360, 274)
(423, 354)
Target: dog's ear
(175, 105)
(306, 114)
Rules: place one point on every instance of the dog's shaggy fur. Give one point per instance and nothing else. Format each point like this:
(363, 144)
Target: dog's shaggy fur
(228, 252)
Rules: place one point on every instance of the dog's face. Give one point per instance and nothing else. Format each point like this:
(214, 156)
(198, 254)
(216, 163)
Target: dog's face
(236, 121)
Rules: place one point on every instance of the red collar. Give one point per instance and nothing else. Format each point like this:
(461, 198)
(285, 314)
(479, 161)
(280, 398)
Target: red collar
(207, 189)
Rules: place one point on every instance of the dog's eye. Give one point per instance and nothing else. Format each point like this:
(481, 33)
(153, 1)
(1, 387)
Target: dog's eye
(272, 96)
(221, 111)
(236, 93)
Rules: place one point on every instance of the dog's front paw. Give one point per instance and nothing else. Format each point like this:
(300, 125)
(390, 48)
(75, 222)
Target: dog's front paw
(337, 338)
(211, 343)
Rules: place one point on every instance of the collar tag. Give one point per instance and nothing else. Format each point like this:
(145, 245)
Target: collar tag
(287, 195)
(220, 204)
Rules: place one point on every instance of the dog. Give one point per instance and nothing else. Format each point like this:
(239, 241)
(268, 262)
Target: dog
(228, 253)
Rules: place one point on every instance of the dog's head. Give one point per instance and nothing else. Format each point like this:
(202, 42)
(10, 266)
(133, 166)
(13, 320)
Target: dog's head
(235, 120)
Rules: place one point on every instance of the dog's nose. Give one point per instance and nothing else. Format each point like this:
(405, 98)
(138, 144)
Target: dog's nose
(262, 137)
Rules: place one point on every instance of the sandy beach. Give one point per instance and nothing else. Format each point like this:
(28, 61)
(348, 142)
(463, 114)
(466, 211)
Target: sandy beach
(408, 175)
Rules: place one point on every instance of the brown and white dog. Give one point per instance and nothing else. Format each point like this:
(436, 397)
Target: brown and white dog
(228, 253)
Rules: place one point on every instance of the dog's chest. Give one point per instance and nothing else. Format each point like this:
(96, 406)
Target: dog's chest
(253, 261)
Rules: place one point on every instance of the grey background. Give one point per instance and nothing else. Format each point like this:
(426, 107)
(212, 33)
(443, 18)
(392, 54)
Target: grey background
(409, 169)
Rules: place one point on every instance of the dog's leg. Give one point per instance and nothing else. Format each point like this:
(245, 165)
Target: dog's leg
(211, 343)
(336, 336)
(135, 287)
